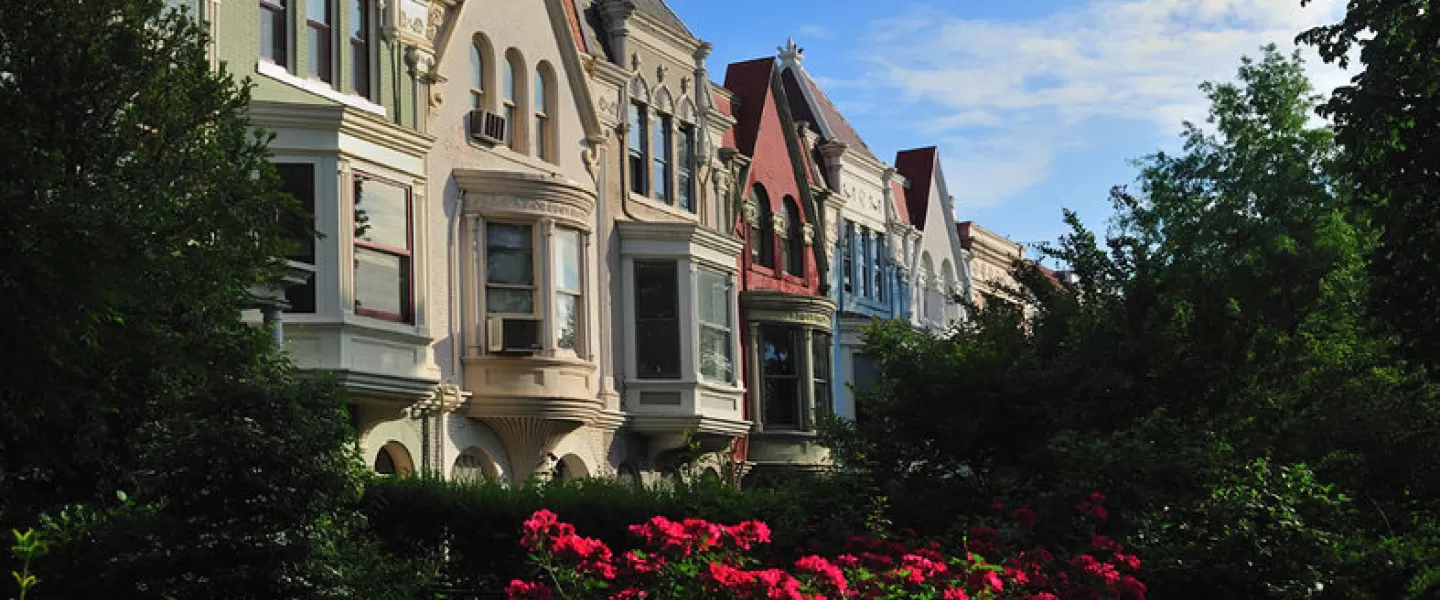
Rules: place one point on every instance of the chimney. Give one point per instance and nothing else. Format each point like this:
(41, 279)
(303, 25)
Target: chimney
(615, 14)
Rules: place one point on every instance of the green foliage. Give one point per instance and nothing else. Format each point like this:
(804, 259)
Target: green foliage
(28, 546)
(1214, 345)
(467, 533)
(1386, 122)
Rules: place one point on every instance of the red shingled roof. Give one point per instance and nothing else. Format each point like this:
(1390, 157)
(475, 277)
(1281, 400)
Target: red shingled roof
(897, 190)
(918, 166)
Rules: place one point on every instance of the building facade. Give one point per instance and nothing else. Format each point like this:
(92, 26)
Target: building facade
(550, 245)
(787, 319)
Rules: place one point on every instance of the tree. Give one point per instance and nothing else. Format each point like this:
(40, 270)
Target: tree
(1211, 370)
(1388, 121)
(137, 210)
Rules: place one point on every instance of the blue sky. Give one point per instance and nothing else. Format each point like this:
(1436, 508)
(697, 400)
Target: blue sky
(1036, 105)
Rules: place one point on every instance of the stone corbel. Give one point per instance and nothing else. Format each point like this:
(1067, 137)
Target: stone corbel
(807, 231)
(778, 224)
(752, 214)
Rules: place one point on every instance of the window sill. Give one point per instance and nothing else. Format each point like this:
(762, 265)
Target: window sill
(504, 151)
(319, 88)
(762, 269)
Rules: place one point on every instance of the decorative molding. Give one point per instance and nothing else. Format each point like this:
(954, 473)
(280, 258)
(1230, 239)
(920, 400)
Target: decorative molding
(778, 224)
(509, 193)
(751, 212)
(776, 307)
(808, 232)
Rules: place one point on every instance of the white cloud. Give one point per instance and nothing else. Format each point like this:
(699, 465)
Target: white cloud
(1007, 91)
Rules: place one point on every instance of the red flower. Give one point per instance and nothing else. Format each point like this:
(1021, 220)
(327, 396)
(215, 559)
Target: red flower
(1097, 498)
(1028, 518)
(954, 593)
(1100, 542)
(638, 562)
(628, 594)
(524, 590)
(1132, 587)
(997, 506)
(825, 571)
(727, 576)
(748, 533)
(987, 578)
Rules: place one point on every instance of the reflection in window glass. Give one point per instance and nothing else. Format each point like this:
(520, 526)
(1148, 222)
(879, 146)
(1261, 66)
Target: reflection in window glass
(567, 289)
(639, 173)
(660, 155)
(509, 269)
(382, 249)
(714, 313)
(380, 281)
(381, 213)
(657, 320)
(780, 377)
(685, 167)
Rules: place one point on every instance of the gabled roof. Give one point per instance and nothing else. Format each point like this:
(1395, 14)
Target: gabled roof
(918, 166)
(750, 82)
(824, 113)
(897, 191)
(591, 36)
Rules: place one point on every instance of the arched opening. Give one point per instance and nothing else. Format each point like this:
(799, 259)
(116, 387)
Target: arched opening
(947, 289)
(928, 307)
(544, 103)
(794, 239)
(474, 465)
(393, 459)
(762, 234)
(482, 67)
(570, 468)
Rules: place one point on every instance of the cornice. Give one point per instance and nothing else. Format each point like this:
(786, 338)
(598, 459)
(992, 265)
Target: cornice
(687, 233)
(511, 192)
(342, 119)
(768, 306)
(690, 44)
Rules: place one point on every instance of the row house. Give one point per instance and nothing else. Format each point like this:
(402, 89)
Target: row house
(787, 319)
(551, 245)
(992, 259)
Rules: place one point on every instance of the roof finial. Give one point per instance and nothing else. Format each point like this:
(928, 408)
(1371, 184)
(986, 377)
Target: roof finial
(790, 53)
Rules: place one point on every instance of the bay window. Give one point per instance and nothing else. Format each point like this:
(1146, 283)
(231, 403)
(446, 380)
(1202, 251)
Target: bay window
(274, 32)
(713, 288)
(317, 27)
(298, 180)
(383, 248)
(820, 372)
(780, 377)
(510, 269)
(657, 319)
(639, 124)
(568, 290)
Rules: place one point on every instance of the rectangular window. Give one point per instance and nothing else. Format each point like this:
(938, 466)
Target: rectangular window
(715, 331)
(880, 262)
(274, 34)
(847, 255)
(317, 25)
(866, 376)
(360, 47)
(660, 154)
(298, 180)
(509, 269)
(685, 165)
(542, 118)
(382, 249)
(568, 291)
(639, 170)
(865, 262)
(780, 377)
(657, 320)
(820, 364)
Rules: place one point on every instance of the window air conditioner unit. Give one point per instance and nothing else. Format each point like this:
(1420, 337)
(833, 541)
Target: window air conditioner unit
(487, 126)
(513, 336)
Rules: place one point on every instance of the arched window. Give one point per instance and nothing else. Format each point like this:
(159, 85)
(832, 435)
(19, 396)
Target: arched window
(393, 459)
(473, 465)
(947, 287)
(512, 94)
(927, 297)
(542, 101)
(482, 66)
(762, 235)
(794, 239)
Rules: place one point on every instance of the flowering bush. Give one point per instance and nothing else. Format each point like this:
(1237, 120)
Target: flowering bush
(694, 558)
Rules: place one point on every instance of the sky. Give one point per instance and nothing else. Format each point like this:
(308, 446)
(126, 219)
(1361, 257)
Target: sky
(1036, 105)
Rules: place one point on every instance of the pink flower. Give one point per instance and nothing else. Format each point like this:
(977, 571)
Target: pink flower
(954, 593)
(987, 579)
(826, 571)
(524, 590)
(628, 594)
(748, 533)
(1097, 498)
(1100, 542)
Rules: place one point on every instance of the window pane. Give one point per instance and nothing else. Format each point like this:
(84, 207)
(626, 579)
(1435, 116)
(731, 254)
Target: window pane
(318, 11)
(567, 320)
(267, 35)
(381, 213)
(713, 288)
(657, 326)
(567, 259)
(509, 254)
(358, 19)
(661, 181)
(542, 131)
(477, 68)
(780, 367)
(509, 85)
(715, 354)
(777, 351)
(782, 402)
(539, 100)
(507, 301)
(380, 281)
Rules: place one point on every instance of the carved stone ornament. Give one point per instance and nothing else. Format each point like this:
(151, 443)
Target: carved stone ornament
(752, 214)
(660, 72)
(778, 224)
(808, 231)
(433, 21)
